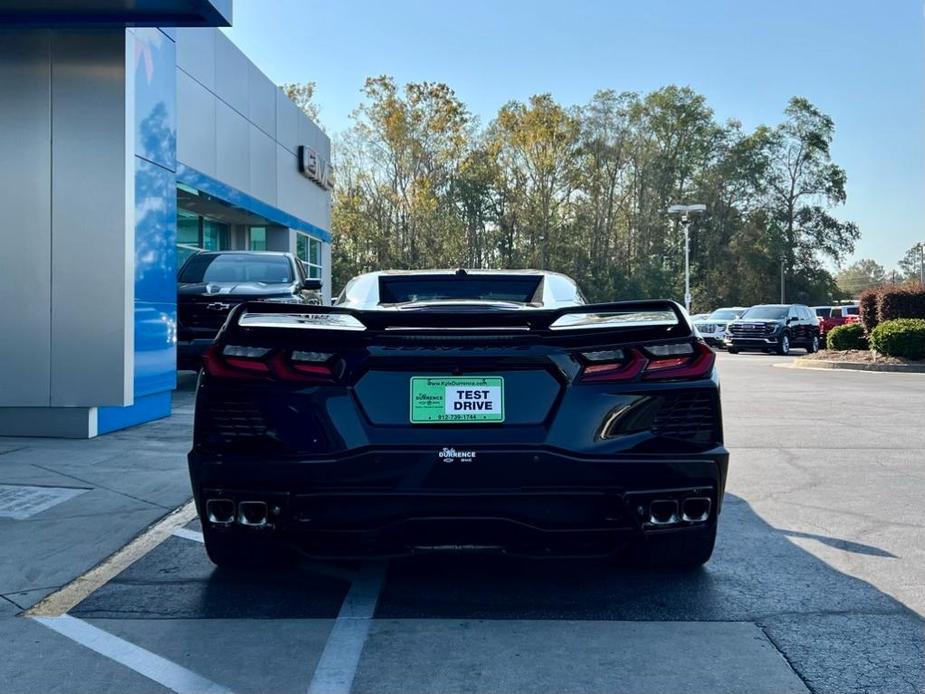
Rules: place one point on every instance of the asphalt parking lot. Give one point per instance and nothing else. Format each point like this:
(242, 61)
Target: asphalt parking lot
(817, 584)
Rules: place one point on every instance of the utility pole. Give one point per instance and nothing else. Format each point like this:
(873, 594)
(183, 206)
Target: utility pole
(685, 212)
(922, 262)
(783, 293)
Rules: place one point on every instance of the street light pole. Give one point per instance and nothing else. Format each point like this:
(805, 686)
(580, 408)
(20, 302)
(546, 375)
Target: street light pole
(783, 259)
(685, 220)
(684, 212)
(922, 262)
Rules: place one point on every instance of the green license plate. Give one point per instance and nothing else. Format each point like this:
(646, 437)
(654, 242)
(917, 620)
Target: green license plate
(459, 399)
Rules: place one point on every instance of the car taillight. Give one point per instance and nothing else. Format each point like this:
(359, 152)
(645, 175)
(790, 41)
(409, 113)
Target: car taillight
(653, 362)
(293, 369)
(236, 362)
(251, 363)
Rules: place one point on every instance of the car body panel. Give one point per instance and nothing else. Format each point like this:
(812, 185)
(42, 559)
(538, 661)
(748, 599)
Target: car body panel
(567, 471)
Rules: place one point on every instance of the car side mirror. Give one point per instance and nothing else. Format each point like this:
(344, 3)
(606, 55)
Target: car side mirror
(311, 284)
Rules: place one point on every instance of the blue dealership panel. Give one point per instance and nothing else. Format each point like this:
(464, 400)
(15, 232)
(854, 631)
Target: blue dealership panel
(155, 312)
(155, 76)
(155, 233)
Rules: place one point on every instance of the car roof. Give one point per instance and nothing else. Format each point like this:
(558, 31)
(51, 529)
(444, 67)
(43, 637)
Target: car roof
(464, 271)
(363, 290)
(257, 253)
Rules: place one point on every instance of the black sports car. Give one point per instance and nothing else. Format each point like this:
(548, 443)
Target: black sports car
(459, 410)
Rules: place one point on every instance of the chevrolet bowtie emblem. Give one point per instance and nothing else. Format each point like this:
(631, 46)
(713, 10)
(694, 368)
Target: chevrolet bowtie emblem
(218, 306)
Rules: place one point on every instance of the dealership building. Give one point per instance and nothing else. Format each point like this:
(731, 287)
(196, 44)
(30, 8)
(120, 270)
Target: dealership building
(132, 133)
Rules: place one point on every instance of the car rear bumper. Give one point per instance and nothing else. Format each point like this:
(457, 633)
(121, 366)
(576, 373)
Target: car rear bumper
(390, 503)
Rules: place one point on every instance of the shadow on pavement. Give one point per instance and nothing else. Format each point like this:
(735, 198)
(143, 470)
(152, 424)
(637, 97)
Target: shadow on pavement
(839, 633)
(838, 543)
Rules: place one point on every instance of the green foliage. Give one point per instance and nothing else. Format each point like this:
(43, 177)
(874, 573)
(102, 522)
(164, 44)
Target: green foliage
(901, 302)
(912, 265)
(861, 275)
(903, 337)
(849, 336)
(584, 190)
(302, 94)
(869, 309)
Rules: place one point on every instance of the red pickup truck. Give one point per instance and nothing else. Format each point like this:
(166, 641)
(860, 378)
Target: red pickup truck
(833, 316)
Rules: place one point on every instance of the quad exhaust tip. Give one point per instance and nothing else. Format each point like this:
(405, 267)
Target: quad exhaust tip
(220, 511)
(693, 509)
(252, 513)
(663, 512)
(696, 509)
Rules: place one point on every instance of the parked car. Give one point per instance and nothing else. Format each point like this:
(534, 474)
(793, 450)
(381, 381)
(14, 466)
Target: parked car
(850, 312)
(774, 328)
(483, 411)
(712, 327)
(833, 316)
(211, 283)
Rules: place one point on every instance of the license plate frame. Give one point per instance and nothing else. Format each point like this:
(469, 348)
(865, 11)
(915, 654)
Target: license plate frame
(428, 398)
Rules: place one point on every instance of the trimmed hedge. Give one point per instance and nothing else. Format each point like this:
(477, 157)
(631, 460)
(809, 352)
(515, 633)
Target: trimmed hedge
(907, 301)
(889, 302)
(849, 336)
(870, 309)
(903, 337)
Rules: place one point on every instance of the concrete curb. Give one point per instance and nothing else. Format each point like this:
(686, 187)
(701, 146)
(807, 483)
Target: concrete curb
(802, 363)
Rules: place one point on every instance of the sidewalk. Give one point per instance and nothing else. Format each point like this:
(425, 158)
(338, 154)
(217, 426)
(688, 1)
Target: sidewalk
(66, 505)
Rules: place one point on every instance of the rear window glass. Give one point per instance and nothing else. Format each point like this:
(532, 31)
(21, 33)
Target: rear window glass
(268, 269)
(824, 311)
(849, 310)
(400, 289)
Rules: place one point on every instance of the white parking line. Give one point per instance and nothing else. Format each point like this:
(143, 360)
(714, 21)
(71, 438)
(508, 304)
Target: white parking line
(341, 656)
(193, 535)
(174, 677)
(61, 601)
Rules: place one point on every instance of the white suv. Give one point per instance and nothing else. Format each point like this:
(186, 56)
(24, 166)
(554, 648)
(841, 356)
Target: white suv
(713, 327)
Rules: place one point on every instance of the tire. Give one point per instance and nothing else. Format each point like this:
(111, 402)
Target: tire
(228, 550)
(732, 350)
(813, 345)
(679, 550)
(783, 348)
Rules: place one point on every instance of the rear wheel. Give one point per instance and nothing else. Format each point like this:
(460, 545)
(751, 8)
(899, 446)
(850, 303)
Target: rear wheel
(228, 550)
(679, 550)
(813, 345)
(732, 350)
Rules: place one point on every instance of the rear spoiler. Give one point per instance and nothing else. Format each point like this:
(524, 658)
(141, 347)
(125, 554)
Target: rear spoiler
(622, 315)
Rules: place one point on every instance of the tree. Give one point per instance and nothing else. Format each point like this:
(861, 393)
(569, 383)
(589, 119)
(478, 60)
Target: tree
(397, 165)
(585, 190)
(534, 146)
(803, 186)
(302, 94)
(912, 265)
(859, 276)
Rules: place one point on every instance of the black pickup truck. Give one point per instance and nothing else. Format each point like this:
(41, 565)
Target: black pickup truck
(210, 284)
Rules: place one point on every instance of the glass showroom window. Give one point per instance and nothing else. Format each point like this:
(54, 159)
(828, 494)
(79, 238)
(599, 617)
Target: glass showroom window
(308, 249)
(258, 239)
(215, 236)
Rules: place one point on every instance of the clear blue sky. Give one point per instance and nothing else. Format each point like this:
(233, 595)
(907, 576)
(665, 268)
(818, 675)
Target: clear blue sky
(860, 61)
